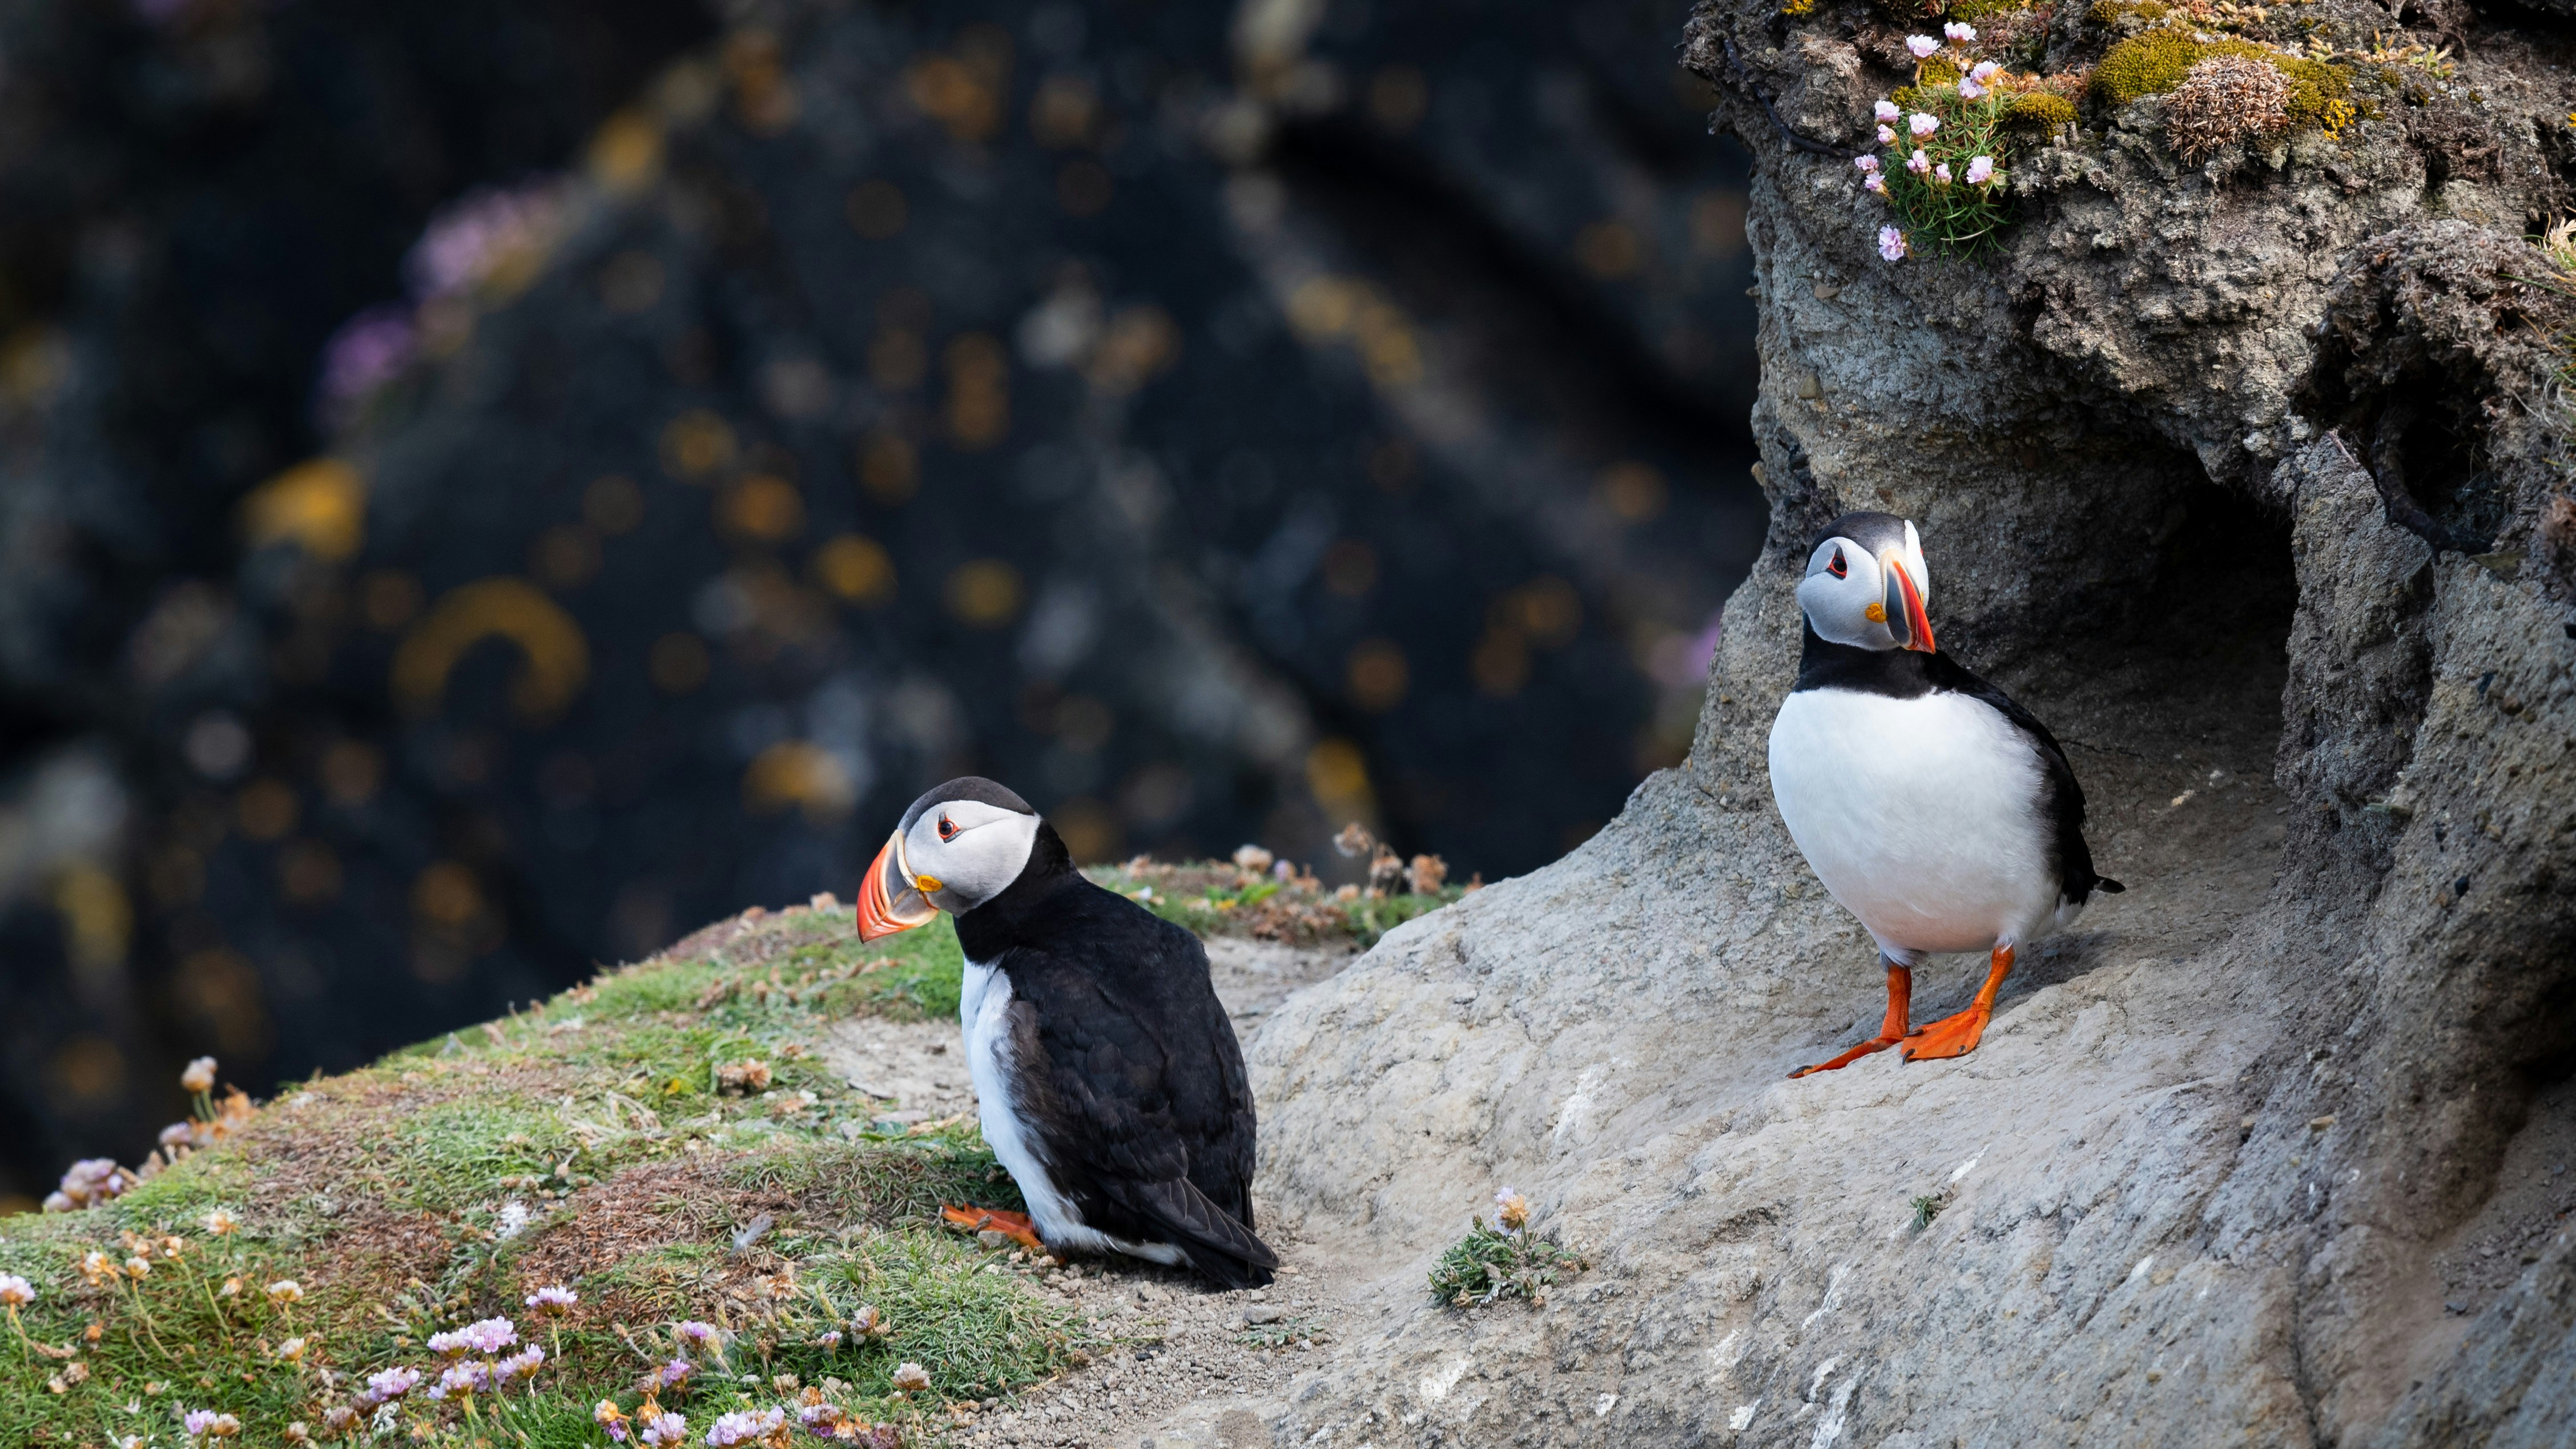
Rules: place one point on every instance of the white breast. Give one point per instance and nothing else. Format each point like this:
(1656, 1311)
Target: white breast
(983, 1010)
(1922, 816)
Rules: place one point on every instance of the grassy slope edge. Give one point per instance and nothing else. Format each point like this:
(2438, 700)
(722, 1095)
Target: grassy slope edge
(593, 1142)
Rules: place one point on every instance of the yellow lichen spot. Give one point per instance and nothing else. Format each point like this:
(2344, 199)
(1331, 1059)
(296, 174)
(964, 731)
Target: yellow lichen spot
(1387, 344)
(799, 773)
(1546, 609)
(888, 466)
(1799, 7)
(984, 593)
(446, 895)
(696, 444)
(1633, 492)
(1337, 776)
(1090, 830)
(265, 809)
(1322, 307)
(964, 91)
(626, 152)
(1139, 343)
(855, 569)
(979, 391)
(761, 508)
(556, 656)
(320, 506)
(98, 920)
(1063, 111)
(1377, 677)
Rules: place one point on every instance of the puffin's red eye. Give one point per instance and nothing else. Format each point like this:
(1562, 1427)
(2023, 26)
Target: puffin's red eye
(1838, 568)
(947, 830)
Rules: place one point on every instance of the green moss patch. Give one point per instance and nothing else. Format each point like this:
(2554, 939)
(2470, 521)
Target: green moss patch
(2156, 61)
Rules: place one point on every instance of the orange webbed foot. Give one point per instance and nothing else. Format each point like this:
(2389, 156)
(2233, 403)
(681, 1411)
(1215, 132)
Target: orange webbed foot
(1874, 1044)
(1015, 1226)
(1956, 1036)
(1951, 1036)
(1900, 996)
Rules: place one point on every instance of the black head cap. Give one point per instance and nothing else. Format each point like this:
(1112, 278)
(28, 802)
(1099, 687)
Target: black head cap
(965, 787)
(1876, 532)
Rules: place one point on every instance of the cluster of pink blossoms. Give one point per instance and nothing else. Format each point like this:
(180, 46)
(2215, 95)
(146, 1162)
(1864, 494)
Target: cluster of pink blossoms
(1919, 127)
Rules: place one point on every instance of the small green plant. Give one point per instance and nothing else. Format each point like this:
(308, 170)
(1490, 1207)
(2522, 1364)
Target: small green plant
(1926, 1208)
(1505, 1260)
(1941, 142)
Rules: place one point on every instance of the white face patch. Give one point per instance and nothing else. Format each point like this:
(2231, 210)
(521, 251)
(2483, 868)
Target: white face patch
(963, 853)
(1844, 594)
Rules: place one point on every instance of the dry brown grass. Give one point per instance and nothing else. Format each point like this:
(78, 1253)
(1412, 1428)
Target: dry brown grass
(2224, 99)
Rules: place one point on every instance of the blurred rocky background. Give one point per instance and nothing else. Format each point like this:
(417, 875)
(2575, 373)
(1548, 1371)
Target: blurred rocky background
(484, 489)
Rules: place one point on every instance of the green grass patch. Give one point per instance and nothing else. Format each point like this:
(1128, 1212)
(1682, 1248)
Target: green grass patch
(403, 1224)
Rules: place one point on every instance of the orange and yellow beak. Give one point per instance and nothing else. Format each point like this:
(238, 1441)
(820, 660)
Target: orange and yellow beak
(892, 898)
(1904, 605)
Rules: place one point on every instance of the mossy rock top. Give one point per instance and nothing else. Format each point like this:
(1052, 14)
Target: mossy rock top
(2155, 62)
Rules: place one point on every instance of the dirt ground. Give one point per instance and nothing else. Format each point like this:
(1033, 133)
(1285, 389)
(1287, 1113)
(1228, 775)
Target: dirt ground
(1187, 1359)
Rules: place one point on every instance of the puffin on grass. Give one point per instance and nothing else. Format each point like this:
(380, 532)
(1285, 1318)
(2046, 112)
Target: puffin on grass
(1934, 808)
(1107, 1075)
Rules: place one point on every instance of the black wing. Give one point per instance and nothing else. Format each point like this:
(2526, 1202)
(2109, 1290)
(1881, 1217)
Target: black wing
(2063, 798)
(1131, 1074)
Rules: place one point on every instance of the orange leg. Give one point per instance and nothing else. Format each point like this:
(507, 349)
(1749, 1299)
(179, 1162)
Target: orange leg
(1900, 997)
(1956, 1036)
(1015, 1226)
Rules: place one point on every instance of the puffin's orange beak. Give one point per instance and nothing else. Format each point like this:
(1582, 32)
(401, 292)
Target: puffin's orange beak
(1905, 617)
(889, 901)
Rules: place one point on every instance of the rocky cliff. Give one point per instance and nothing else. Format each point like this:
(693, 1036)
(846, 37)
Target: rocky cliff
(2247, 474)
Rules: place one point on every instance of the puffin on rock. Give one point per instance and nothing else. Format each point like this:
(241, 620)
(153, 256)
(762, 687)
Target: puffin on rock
(1934, 808)
(1107, 1075)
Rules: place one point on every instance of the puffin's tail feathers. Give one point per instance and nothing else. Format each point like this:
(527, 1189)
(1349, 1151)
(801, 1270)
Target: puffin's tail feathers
(2105, 883)
(1209, 1236)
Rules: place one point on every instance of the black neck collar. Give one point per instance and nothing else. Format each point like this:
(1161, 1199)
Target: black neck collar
(1012, 917)
(1823, 664)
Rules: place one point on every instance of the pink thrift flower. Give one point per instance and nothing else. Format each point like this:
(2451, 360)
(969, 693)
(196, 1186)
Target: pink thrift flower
(1981, 169)
(491, 1335)
(1970, 91)
(1891, 244)
(1941, 173)
(1874, 182)
(1887, 111)
(1923, 123)
(1886, 137)
(1866, 163)
(1984, 72)
(1960, 31)
(1919, 164)
(393, 1383)
(1922, 46)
